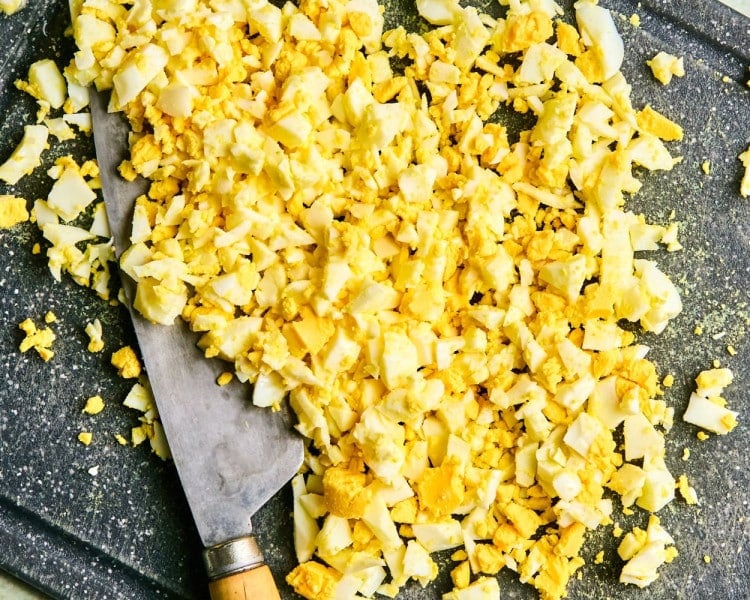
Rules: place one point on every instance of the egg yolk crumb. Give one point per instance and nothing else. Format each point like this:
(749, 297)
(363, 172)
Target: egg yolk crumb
(314, 581)
(12, 211)
(224, 378)
(126, 362)
(39, 339)
(94, 405)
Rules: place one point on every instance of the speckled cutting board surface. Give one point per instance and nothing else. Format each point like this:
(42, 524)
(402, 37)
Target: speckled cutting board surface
(126, 532)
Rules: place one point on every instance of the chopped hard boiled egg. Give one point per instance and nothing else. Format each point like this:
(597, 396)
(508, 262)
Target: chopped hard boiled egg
(706, 408)
(27, 155)
(45, 83)
(10, 7)
(39, 339)
(70, 193)
(126, 362)
(141, 399)
(12, 211)
(645, 552)
(710, 414)
(484, 588)
(94, 332)
(665, 65)
(441, 305)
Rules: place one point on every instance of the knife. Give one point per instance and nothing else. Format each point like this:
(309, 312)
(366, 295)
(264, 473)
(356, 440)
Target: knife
(231, 456)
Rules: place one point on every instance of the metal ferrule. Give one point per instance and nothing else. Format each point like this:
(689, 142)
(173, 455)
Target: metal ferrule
(234, 556)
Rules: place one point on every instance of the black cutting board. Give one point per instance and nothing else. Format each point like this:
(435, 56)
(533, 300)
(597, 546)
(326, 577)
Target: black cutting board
(126, 532)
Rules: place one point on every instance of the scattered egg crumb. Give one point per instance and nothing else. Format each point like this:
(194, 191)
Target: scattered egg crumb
(706, 167)
(617, 531)
(50, 317)
(731, 350)
(635, 20)
(138, 435)
(121, 439)
(94, 331)
(27, 156)
(126, 362)
(706, 558)
(141, 399)
(75, 250)
(85, 437)
(686, 490)
(645, 551)
(669, 237)
(46, 84)
(668, 380)
(12, 211)
(707, 408)
(685, 454)
(599, 558)
(665, 65)
(702, 436)
(94, 405)
(698, 330)
(39, 339)
(224, 378)
(461, 575)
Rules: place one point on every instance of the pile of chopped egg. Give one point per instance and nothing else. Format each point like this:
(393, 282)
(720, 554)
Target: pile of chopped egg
(440, 301)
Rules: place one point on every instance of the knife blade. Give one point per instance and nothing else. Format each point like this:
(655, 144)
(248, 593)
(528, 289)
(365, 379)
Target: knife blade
(231, 456)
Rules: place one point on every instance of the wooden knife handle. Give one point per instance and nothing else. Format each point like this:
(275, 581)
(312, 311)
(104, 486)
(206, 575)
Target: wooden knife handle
(255, 584)
(236, 571)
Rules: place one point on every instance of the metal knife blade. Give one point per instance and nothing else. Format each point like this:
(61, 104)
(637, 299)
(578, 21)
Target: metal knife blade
(230, 455)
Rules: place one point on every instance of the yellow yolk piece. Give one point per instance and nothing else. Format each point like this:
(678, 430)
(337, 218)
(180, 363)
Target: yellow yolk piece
(12, 211)
(126, 362)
